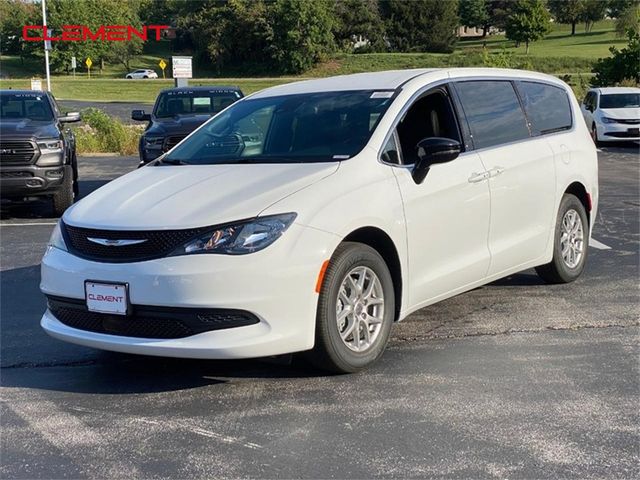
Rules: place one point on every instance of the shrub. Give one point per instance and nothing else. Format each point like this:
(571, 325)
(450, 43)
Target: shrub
(621, 66)
(102, 133)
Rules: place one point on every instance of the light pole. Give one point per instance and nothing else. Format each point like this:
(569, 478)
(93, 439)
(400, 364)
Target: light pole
(46, 50)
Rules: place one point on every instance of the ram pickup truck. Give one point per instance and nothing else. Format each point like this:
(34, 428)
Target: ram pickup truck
(178, 112)
(37, 152)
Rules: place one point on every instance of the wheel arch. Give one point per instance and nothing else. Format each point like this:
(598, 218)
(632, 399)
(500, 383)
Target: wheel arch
(579, 190)
(381, 242)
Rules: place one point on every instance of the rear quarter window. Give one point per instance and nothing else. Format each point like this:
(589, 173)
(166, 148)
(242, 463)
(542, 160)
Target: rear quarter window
(547, 107)
(493, 111)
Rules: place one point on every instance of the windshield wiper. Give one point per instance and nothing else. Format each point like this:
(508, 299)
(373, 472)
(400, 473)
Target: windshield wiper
(171, 161)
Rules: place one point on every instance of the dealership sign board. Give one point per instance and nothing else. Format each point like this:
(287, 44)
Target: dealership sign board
(181, 67)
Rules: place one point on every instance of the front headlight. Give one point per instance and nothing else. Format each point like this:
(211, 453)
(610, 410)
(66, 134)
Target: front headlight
(57, 240)
(241, 238)
(153, 143)
(609, 120)
(51, 152)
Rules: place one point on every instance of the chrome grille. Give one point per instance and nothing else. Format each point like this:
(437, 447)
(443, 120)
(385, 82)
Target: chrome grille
(156, 244)
(17, 152)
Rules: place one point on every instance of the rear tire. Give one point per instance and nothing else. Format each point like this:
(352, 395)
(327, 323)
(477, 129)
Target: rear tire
(570, 243)
(355, 310)
(64, 197)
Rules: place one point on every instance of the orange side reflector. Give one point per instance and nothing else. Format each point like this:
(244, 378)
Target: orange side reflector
(323, 269)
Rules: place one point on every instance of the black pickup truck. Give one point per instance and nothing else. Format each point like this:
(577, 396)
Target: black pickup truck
(37, 154)
(178, 112)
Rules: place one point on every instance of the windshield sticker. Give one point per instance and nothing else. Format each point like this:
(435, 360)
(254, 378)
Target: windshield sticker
(37, 96)
(381, 95)
(202, 101)
(341, 157)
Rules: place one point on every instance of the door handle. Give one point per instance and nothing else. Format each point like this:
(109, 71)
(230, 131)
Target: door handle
(478, 177)
(494, 172)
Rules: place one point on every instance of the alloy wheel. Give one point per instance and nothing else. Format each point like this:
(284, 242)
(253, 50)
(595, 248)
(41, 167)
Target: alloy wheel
(572, 239)
(360, 309)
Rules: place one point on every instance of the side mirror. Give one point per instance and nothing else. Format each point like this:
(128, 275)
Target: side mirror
(140, 116)
(431, 151)
(70, 117)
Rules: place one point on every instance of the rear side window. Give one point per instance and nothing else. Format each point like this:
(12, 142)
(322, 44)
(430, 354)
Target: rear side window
(493, 112)
(547, 107)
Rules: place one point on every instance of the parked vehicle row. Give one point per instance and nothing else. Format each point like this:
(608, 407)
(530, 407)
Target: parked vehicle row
(37, 153)
(309, 217)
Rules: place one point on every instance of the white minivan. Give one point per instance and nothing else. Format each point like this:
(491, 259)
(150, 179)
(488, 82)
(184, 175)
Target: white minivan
(310, 217)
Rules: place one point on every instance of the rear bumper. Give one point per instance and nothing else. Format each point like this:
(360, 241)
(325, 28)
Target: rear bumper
(30, 180)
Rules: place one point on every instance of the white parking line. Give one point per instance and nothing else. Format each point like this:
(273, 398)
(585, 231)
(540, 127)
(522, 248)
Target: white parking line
(26, 224)
(596, 244)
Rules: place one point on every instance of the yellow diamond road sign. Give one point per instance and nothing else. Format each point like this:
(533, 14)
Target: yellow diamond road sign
(88, 62)
(162, 64)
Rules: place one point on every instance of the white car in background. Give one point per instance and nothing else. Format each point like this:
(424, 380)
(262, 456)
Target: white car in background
(142, 73)
(612, 114)
(312, 216)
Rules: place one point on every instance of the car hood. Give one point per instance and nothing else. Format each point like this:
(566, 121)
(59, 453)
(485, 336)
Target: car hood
(621, 113)
(23, 127)
(188, 196)
(176, 125)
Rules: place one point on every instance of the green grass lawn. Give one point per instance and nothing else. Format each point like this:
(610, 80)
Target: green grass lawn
(144, 91)
(559, 43)
(559, 53)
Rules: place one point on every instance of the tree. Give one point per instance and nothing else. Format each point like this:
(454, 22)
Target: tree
(359, 20)
(628, 19)
(245, 34)
(421, 25)
(93, 14)
(615, 8)
(594, 10)
(473, 13)
(302, 33)
(528, 23)
(622, 66)
(567, 11)
(14, 14)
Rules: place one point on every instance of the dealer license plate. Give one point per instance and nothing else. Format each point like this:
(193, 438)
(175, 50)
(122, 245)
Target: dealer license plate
(106, 297)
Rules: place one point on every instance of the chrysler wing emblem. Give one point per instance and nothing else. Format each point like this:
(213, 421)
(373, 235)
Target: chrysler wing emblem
(108, 242)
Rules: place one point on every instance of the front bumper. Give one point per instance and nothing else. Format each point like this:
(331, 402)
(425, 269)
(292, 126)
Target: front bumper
(30, 180)
(277, 285)
(617, 132)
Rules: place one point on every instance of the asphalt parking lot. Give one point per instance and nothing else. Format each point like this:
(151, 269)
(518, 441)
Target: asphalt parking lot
(516, 379)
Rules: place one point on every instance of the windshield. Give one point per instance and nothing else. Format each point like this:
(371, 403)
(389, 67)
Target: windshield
(314, 127)
(620, 100)
(32, 106)
(203, 102)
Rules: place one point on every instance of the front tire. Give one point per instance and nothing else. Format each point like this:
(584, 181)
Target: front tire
(129, 77)
(64, 197)
(594, 135)
(570, 243)
(355, 310)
